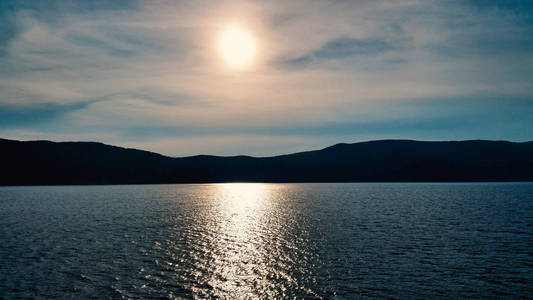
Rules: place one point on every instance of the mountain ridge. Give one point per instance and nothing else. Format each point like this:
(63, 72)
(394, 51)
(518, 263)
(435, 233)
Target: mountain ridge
(47, 162)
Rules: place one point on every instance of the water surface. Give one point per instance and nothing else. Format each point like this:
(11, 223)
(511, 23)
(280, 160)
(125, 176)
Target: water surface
(240, 241)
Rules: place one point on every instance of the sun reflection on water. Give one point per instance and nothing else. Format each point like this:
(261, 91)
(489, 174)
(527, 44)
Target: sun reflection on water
(239, 257)
(247, 244)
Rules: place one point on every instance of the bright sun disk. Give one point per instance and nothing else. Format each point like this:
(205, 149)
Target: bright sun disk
(237, 47)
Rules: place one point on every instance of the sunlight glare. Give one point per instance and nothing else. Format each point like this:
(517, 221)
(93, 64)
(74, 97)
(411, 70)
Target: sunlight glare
(237, 47)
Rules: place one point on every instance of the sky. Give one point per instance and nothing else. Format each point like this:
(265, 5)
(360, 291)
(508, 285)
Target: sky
(149, 75)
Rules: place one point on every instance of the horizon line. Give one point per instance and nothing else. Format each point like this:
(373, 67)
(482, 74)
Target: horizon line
(278, 155)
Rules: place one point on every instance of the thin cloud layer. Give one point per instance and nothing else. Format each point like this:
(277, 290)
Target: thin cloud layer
(148, 75)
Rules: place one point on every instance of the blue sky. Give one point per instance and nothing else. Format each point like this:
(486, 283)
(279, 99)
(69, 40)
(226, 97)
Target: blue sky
(147, 74)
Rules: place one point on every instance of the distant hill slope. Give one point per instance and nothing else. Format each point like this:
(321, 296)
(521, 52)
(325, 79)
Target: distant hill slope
(44, 162)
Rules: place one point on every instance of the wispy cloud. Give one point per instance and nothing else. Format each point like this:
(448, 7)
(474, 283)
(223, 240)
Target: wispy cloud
(341, 48)
(15, 115)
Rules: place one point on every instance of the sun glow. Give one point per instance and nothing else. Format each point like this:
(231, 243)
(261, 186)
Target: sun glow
(237, 47)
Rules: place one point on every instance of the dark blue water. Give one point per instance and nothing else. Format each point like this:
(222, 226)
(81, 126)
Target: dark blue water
(241, 241)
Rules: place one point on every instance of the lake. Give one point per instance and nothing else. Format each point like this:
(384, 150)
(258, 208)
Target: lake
(248, 240)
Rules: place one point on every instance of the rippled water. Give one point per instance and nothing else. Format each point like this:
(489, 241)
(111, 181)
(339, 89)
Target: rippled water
(239, 241)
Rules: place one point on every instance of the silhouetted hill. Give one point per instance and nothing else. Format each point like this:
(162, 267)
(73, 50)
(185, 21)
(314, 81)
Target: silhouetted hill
(45, 162)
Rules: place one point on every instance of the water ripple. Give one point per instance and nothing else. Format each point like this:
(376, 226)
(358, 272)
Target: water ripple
(269, 241)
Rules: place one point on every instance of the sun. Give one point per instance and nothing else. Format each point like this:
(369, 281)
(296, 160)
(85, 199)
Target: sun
(237, 47)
